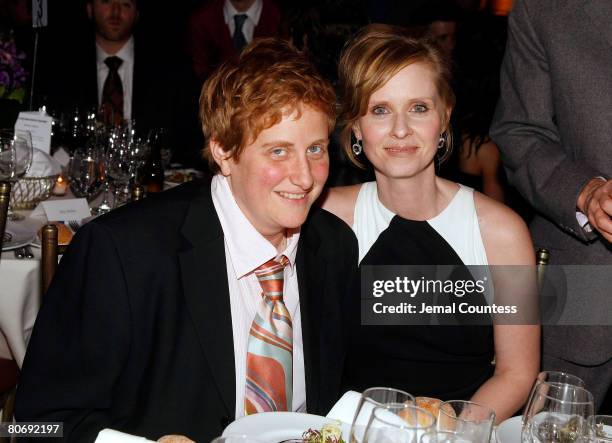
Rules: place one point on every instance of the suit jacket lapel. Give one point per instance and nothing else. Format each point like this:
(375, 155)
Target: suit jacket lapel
(600, 11)
(206, 291)
(311, 275)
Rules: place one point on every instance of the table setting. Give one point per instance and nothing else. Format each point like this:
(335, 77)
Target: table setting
(94, 169)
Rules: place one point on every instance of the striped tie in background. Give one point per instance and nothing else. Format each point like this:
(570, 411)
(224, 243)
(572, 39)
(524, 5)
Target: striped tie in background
(269, 374)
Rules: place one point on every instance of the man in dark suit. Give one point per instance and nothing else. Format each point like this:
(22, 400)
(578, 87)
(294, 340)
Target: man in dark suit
(153, 324)
(553, 127)
(120, 73)
(220, 28)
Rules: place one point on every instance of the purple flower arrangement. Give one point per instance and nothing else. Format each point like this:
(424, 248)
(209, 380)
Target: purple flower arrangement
(13, 75)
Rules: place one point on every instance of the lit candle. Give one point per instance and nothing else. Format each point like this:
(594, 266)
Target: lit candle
(60, 186)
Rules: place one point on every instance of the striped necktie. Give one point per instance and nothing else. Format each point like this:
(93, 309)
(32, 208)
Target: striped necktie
(269, 372)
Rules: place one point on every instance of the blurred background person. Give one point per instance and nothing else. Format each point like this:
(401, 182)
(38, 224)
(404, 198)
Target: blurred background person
(552, 125)
(220, 28)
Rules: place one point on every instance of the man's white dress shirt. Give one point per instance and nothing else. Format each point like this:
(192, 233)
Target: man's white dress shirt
(126, 73)
(253, 15)
(245, 250)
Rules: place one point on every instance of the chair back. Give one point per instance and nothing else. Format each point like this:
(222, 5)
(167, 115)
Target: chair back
(5, 195)
(49, 254)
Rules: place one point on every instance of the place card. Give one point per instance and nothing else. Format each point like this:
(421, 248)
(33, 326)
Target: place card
(63, 209)
(39, 125)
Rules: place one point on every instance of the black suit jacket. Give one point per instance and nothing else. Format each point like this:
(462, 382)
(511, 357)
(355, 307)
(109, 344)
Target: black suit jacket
(164, 91)
(135, 332)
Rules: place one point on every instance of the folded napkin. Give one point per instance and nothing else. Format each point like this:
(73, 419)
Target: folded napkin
(344, 409)
(43, 165)
(112, 436)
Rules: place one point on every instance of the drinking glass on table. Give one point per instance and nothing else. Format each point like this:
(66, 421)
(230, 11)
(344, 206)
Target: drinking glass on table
(551, 377)
(472, 421)
(86, 175)
(398, 422)
(443, 437)
(15, 160)
(558, 412)
(371, 398)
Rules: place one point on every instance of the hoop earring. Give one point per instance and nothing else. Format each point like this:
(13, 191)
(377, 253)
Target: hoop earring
(442, 140)
(357, 147)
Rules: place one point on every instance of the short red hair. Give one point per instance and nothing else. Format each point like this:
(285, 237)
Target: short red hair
(253, 91)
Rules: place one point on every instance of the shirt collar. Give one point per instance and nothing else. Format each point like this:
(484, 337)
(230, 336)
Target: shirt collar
(126, 53)
(253, 13)
(248, 249)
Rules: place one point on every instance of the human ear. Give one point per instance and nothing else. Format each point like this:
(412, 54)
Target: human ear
(356, 130)
(221, 157)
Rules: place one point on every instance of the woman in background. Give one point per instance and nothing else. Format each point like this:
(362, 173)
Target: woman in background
(397, 103)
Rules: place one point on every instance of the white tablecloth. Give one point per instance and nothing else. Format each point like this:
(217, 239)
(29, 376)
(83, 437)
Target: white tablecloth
(19, 303)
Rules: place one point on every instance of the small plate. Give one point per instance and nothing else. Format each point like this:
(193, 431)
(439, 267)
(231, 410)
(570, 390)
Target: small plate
(275, 427)
(509, 431)
(17, 235)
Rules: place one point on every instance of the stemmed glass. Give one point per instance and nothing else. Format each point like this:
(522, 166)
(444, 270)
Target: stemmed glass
(558, 412)
(551, 377)
(472, 421)
(85, 173)
(398, 422)
(370, 399)
(15, 160)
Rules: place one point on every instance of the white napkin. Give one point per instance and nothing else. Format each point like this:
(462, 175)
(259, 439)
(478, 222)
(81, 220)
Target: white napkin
(344, 409)
(112, 436)
(43, 165)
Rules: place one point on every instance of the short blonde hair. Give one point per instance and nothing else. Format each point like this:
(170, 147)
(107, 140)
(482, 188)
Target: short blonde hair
(251, 92)
(375, 54)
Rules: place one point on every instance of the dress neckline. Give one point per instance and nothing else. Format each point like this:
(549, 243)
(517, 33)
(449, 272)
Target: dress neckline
(440, 215)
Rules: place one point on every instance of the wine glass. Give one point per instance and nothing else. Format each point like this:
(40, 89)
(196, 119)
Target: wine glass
(551, 377)
(85, 174)
(398, 422)
(468, 419)
(558, 412)
(371, 398)
(15, 160)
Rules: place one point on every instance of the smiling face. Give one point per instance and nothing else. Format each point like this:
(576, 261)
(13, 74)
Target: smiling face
(278, 176)
(403, 122)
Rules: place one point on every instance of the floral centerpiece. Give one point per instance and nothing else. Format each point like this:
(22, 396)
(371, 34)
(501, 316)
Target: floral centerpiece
(13, 75)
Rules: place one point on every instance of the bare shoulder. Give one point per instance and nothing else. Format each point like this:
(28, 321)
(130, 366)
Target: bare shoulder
(505, 235)
(340, 201)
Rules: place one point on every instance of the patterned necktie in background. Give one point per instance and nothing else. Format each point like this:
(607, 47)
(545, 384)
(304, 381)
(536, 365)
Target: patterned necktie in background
(239, 40)
(112, 93)
(269, 374)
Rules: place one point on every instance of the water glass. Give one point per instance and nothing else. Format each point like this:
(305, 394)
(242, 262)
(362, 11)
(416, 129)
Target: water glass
(472, 421)
(558, 412)
(443, 437)
(371, 398)
(398, 422)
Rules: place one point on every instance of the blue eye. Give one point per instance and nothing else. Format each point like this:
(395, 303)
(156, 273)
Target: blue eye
(379, 110)
(315, 149)
(419, 108)
(279, 152)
